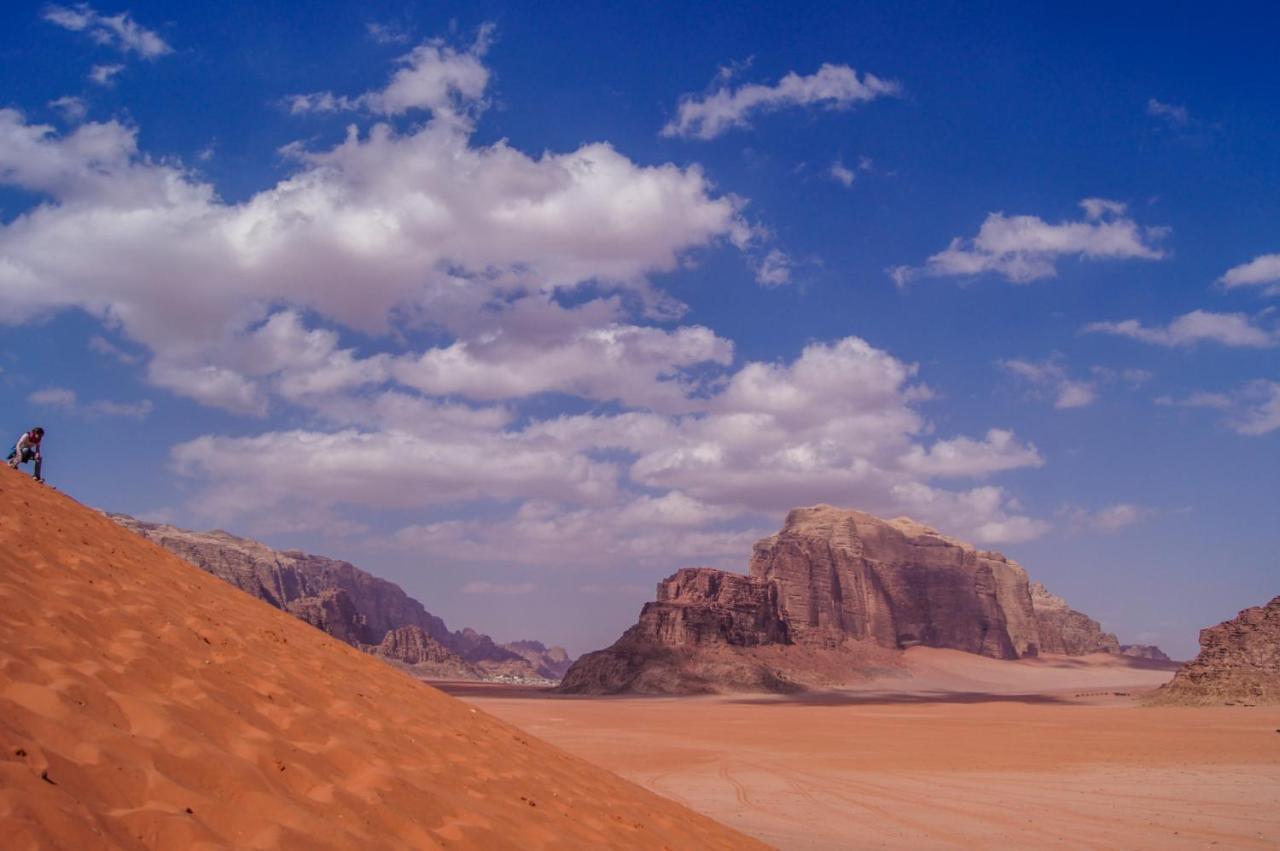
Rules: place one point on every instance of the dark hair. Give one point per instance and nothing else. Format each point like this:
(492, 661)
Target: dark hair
(38, 430)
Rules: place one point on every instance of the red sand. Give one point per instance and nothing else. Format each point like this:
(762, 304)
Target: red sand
(146, 704)
(970, 753)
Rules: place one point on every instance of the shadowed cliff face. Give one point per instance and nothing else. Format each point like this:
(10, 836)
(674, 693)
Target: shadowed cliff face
(847, 575)
(829, 586)
(353, 606)
(1239, 663)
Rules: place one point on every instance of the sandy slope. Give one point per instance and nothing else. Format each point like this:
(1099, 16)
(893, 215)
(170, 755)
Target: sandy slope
(144, 703)
(969, 753)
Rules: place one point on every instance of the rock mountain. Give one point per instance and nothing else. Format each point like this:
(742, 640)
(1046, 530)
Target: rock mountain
(1239, 663)
(835, 592)
(354, 606)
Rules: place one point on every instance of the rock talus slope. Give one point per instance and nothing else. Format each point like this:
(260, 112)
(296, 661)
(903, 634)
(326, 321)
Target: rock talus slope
(351, 605)
(834, 592)
(147, 704)
(1239, 663)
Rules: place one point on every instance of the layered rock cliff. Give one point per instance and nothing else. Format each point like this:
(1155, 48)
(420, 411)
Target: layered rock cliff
(351, 605)
(1065, 631)
(1239, 663)
(834, 588)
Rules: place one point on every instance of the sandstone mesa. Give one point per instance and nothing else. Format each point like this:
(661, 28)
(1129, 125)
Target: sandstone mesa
(834, 594)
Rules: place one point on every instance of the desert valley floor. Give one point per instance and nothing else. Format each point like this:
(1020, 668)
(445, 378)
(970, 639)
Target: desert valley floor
(967, 753)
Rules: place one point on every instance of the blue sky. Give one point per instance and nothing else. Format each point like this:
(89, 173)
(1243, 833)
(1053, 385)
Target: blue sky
(526, 308)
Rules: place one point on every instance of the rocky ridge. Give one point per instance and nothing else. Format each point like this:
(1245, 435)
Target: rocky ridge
(833, 593)
(353, 606)
(1065, 631)
(1239, 663)
(1144, 651)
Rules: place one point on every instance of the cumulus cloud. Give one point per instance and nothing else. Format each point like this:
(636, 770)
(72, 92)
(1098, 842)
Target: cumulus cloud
(65, 399)
(838, 424)
(105, 75)
(1170, 113)
(1253, 409)
(118, 31)
(1112, 518)
(434, 76)
(72, 108)
(963, 456)
(1051, 377)
(842, 174)
(386, 33)
(1237, 330)
(774, 269)
(435, 229)
(1027, 248)
(1262, 271)
(724, 108)
(103, 346)
(643, 531)
(54, 397)
(416, 308)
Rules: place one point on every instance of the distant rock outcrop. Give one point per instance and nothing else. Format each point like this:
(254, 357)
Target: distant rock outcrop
(834, 592)
(1144, 651)
(1239, 663)
(550, 662)
(348, 603)
(1065, 631)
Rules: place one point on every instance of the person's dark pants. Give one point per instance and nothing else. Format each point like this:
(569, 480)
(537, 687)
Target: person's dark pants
(27, 455)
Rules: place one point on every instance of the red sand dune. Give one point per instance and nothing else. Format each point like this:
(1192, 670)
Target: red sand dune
(146, 704)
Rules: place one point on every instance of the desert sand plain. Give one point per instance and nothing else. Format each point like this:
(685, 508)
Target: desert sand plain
(968, 752)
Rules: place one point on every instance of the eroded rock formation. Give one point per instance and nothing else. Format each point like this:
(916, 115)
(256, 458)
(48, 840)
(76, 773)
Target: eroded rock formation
(1065, 631)
(349, 604)
(1239, 663)
(834, 590)
(1144, 651)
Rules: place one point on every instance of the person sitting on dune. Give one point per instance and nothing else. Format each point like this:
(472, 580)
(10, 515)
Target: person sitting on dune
(28, 449)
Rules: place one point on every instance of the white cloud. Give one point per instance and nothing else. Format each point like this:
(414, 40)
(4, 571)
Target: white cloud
(1262, 271)
(118, 31)
(72, 108)
(1177, 116)
(643, 531)
(635, 365)
(774, 269)
(528, 276)
(836, 425)
(435, 229)
(963, 456)
(842, 174)
(1027, 248)
(1051, 377)
(434, 76)
(724, 108)
(65, 399)
(386, 33)
(103, 346)
(1112, 518)
(1253, 409)
(54, 397)
(1229, 329)
(104, 75)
